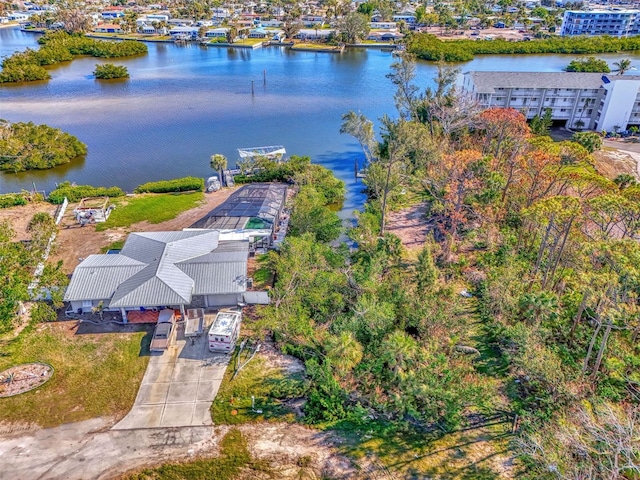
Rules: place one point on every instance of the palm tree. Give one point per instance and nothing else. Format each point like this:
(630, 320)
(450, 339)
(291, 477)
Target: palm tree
(399, 349)
(622, 66)
(218, 163)
(344, 351)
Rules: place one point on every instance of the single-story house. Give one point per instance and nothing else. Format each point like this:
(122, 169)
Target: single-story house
(217, 33)
(182, 32)
(383, 25)
(112, 14)
(108, 28)
(312, 34)
(162, 269)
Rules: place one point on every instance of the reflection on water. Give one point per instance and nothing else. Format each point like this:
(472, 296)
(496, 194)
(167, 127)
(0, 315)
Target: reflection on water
(184, 103)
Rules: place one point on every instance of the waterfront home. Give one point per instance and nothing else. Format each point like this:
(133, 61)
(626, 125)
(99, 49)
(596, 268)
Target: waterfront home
(155, 270)
(384, 36)
(220, 13)
(108, 28)
(217, 33)
(258, 33)
(184, 32)
(312, 34)
(19, 16)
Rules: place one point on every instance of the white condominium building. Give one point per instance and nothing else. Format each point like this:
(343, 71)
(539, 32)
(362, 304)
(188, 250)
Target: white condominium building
(617, 23)
(592, 101)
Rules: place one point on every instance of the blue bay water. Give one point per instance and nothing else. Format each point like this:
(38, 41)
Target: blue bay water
(184, 103)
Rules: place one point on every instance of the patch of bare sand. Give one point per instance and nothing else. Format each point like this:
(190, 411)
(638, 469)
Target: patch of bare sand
(611, 163)
(410, 225)
(74, 243)
(294, 450)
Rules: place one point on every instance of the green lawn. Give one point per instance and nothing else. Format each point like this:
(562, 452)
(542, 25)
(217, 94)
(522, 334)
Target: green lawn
(270, 387)
(150, 207)
(95, 374)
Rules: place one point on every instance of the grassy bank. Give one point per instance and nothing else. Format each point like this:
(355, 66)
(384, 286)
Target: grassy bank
(153, 208)
(269, 385)
(95, 374)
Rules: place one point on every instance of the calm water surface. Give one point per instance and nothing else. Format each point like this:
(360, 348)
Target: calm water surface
(184, 103)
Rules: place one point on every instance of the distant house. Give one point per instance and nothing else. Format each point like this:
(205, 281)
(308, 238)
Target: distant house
(158, 17)
(313, 34)
(162, 269)
(113, 12)
(383, 25)
(108, 28)
(384, 36)
(180, 22)
(217, 33)
(272, 23)
(184, 32)
(258, 33)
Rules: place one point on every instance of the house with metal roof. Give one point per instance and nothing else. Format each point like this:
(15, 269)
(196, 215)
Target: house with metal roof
(162, 269)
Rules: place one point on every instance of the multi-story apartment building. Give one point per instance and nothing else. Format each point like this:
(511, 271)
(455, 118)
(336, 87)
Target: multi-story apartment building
(617, 23)
(593, 101)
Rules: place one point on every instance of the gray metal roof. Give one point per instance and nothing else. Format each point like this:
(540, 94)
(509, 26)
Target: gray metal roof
(487, 82)
(162, 268)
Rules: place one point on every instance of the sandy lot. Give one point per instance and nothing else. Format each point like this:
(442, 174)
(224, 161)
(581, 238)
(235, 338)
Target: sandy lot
(506, 33)
(75, 242)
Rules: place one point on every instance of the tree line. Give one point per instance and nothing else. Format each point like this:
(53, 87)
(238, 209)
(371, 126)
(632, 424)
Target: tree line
(429, 47)
(545, 243)
(58, 47)
(26, 146)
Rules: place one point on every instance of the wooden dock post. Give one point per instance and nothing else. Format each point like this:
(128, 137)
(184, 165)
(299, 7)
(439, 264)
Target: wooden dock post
(253, 93)
(264, 77)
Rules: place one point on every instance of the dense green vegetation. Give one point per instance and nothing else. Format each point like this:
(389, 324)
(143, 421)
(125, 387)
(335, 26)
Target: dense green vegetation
(155, 208)
(109, 71)
(268, 386)
(58, 47)
(548, 340)
(429, 47)
(590, 64)
(25, 146)
(18, 261)
(184, 184)
(13, 199)
(75, 193)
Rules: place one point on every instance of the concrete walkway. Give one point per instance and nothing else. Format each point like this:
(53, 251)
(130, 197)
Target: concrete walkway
(178, 387)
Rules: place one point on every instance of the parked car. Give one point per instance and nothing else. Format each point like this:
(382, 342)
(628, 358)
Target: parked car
(161, 337)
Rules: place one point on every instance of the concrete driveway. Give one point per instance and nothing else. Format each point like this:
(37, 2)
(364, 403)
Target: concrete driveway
(178, 386)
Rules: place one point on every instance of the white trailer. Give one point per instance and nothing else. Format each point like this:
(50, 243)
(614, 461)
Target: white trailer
(224, 331)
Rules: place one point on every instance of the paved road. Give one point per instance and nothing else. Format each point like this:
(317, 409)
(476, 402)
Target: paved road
(178, 387)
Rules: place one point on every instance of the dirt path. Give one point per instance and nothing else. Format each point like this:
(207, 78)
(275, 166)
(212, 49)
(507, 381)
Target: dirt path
(89, 450)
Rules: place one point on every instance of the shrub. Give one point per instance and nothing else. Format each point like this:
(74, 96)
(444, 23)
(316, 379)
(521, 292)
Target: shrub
(13, 199)
(185, 184)
(43, 312)
(109, 71)
(75, 193)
